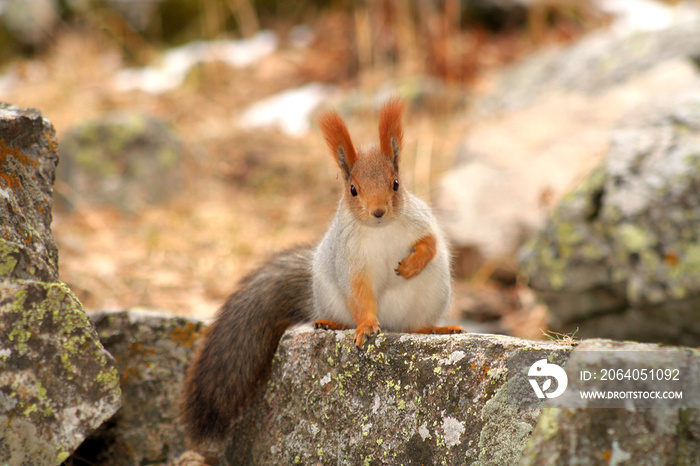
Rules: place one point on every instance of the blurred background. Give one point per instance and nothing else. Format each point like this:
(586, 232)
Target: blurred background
(189, 151)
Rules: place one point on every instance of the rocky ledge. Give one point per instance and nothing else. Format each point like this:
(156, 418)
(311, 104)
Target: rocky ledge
(402, 399)
(57, 382)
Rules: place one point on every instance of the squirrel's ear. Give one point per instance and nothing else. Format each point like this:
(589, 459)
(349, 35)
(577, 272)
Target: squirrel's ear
(391, 130)
(338, 138)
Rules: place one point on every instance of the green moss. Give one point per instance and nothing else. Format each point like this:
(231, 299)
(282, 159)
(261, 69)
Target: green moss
(635, 239)
(7, 262)
(29, 409)
(690, 262)
(548, 424)
(567, 237)
(168, 157)
(592, 252)
(54, 305)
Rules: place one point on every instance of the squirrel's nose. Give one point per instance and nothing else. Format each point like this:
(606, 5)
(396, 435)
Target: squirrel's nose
(379, 213)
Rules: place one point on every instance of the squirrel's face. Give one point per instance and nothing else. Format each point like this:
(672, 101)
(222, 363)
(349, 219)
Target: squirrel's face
(373, 190)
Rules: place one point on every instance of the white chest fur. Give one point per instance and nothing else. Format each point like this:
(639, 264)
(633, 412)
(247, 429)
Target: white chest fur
(350, 247)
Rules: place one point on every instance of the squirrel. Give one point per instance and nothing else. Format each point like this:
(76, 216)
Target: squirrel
(383, 263)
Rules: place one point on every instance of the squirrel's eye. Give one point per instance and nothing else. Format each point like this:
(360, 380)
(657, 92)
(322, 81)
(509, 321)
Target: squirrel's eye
(396, 185)
(353, 190)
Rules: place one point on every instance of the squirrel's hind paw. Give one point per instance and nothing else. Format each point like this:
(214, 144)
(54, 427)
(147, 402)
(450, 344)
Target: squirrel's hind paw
(445, 330)
(324, 324)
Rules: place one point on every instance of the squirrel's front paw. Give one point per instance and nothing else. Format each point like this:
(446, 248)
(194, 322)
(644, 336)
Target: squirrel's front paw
(365, 329)
(408, 269)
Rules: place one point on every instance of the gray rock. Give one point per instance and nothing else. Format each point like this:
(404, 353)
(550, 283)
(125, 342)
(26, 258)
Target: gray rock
(28, 159)
(152, 351)
(126, 161)
(57, 383)
(619, 257)
(663, 436)
(403, 399)
(546, 124)
(31, 22)
(594, 64)
(411, 397)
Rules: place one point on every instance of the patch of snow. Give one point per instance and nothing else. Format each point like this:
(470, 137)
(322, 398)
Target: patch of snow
(177, 62)
(289, 110)
(633, 15)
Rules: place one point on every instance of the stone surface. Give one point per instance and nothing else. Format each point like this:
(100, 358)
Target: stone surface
(28, 158)
(595, 63)
(123, 160)
(403, 399)
(546, 124)
(619, 257)
(152, 351)
(661, 436)
(615, 436)
(57, 383)
(30, 22)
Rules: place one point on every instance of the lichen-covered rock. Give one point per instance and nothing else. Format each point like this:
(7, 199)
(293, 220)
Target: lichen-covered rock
(619, 257)
(28, 158)
(57, 383)
(122, 160)
(615, 436)
(595, 63)
(402, 399)
(546, 124)
(152, 351)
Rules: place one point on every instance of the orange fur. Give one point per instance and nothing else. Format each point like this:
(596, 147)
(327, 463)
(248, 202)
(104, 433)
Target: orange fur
(390, 129)
(363, 307)
(338, 139)
(373, 177)
(422, 253)
(330, 325)
(446, 330)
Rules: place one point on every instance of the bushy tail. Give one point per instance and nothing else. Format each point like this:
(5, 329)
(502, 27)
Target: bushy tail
(237, 351)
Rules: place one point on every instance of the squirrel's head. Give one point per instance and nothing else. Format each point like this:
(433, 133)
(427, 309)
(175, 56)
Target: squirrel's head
(373, 190)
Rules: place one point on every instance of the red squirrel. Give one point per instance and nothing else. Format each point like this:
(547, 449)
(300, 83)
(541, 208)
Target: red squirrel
(382, 264)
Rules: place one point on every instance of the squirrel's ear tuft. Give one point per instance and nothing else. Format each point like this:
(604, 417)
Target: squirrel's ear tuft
(391, 130)
(338, 139)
